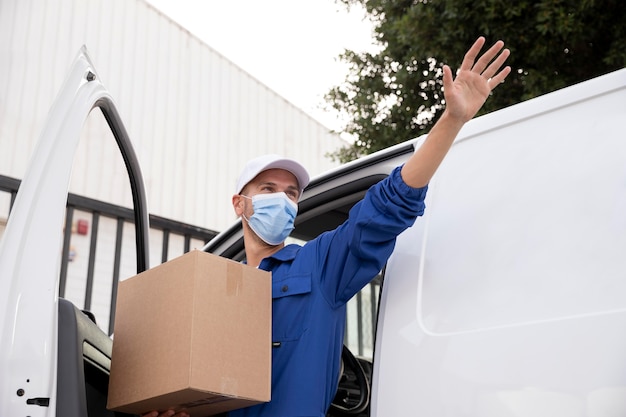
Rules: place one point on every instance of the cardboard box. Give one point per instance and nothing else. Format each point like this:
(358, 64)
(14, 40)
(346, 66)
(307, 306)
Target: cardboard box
(192, 334)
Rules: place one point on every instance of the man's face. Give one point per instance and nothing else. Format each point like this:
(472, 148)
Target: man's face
(269, 181)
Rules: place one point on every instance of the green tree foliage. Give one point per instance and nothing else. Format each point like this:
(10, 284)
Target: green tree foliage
(395, 95)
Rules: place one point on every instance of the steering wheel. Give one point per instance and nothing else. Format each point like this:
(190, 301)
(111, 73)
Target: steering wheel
(344, 404)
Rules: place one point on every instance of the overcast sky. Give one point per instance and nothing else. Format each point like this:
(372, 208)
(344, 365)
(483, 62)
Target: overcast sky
(289, 45)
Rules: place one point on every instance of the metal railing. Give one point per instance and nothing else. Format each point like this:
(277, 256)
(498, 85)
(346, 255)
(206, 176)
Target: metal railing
(99, 210)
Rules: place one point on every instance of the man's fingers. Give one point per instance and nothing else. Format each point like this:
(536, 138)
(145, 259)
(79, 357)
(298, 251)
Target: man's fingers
(499, 78)
(447, 77)
(486, 65)
(471, 54)
(486, 58)
(496, 64)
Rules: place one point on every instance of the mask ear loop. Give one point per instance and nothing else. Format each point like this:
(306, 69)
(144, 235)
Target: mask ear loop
(243, 216)
(242, 213)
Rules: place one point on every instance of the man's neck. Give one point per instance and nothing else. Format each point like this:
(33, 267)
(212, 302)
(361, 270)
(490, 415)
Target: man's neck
(257, 251)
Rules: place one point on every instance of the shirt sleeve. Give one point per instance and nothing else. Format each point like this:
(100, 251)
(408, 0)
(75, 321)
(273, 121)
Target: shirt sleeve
(354, 253)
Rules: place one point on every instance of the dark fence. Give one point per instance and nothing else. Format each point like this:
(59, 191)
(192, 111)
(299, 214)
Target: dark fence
(123, 216)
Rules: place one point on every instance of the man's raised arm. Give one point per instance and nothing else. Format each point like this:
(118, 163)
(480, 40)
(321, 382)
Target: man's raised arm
(464, 96)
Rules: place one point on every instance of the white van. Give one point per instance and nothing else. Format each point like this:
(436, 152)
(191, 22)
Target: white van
(508, 298)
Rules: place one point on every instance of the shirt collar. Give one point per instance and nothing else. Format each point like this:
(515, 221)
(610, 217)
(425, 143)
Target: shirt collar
(288, 253)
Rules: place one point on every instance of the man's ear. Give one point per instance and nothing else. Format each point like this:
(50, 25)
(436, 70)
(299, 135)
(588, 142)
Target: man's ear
(238, 204)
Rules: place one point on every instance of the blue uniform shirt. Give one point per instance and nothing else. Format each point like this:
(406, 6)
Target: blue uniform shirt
(310, 288)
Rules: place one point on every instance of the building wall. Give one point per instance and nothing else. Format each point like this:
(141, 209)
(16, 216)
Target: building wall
(193, 116)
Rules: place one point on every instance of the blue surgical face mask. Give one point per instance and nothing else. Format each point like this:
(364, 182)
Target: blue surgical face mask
(273, 217)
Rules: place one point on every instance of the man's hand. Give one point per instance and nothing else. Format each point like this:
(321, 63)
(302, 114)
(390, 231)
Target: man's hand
(466, 94)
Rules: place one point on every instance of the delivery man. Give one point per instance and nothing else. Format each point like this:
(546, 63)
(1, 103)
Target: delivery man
(313, 283)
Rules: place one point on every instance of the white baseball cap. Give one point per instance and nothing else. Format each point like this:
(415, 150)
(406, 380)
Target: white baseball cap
(257, 165)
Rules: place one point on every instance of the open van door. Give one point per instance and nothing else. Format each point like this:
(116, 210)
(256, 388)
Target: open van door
(55, 361)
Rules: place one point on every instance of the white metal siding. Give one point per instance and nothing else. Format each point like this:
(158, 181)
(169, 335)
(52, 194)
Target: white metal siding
(193, 116)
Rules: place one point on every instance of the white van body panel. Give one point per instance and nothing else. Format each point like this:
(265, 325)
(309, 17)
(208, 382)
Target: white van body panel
(508, 298)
